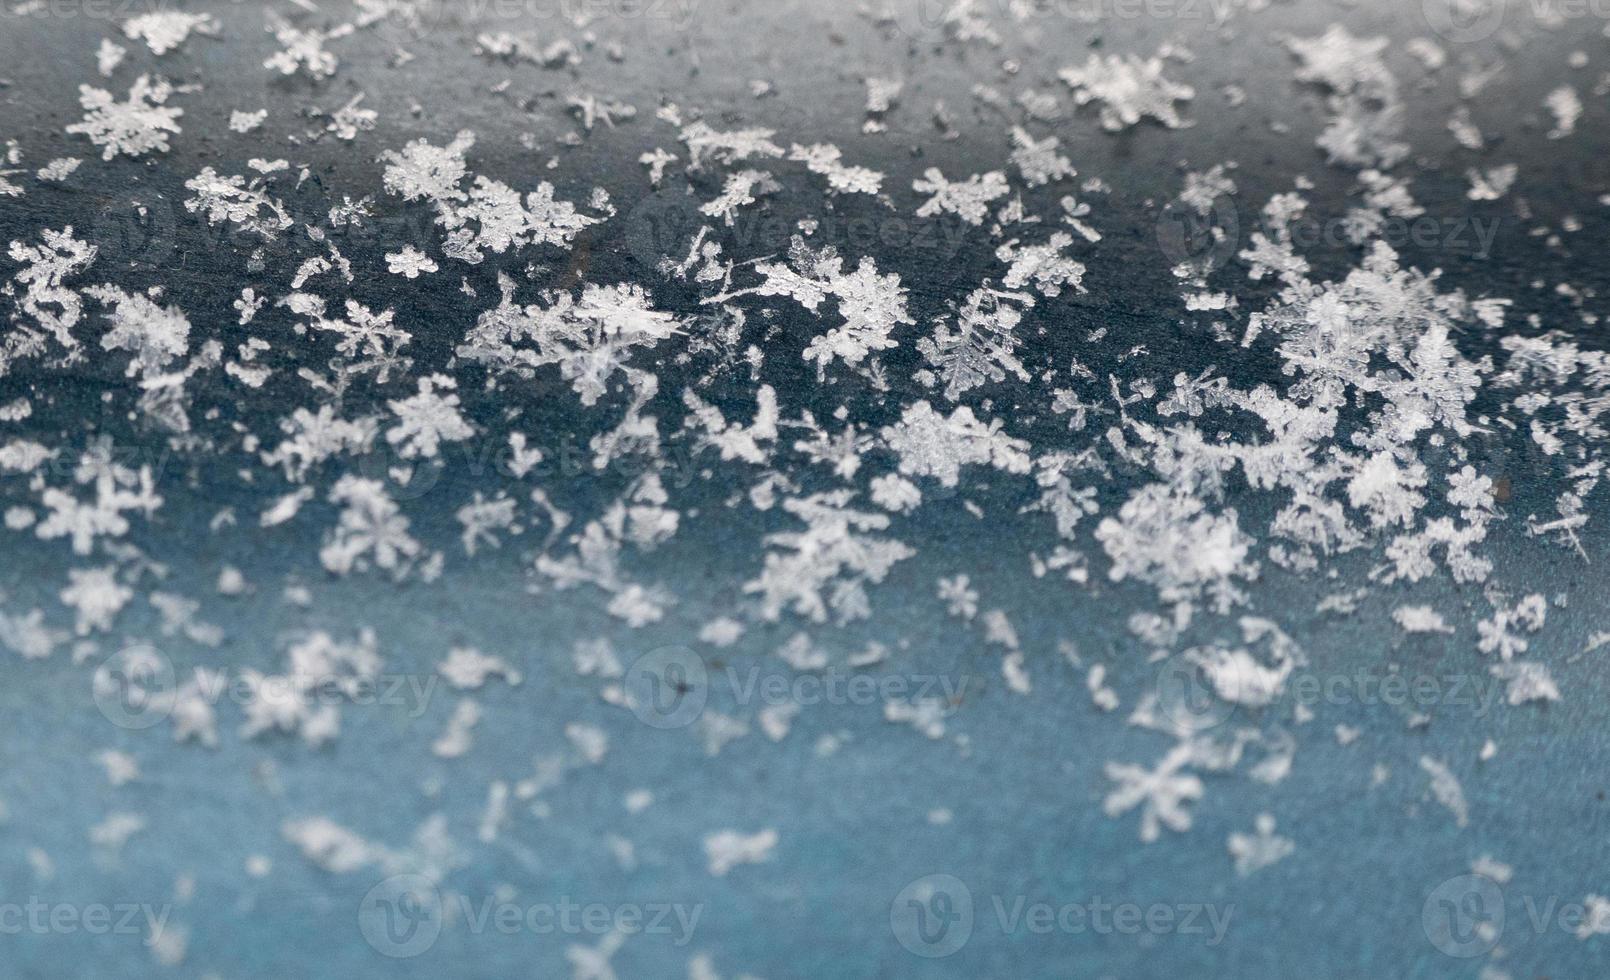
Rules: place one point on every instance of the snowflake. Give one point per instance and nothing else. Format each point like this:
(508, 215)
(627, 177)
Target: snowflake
(166, 30)
(1128, 88)
(13, 155)
(1169, 539)
(28, 636)
(1161, 793)
(731, 147)
(739, 192)
(133, 128)
(370, 528)
(97, 595)
(421, 171)
(52, 304)
(1038, 160)
(154, 334)
(1366, 112)
(410, 262)
(483, 518)
(728, 848)
(1067, 504)
(823, 158)
(1566, 107)
(959, 596)
(427, 419)
(590, 337)
(895, 493)
(303, 50)
(232, 199)
(968, 200)
(929, 444)
(872, 305)
(731, 440)
(828, 564)
(1043, 265)
(118, 489)
(1254, 852)
(980, 347)
(502, 222)
(369, 340)
(347, 121)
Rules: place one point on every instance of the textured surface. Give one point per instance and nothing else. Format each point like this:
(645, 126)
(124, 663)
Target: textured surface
(1375, 885)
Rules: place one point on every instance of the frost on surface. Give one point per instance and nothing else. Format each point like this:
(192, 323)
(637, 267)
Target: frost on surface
(787, 396)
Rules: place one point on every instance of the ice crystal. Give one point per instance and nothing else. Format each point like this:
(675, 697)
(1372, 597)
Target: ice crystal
(828, 565)
(930, 444)
(591, 337)
(1129, 88)
(968, 200)
(234, 200)
(1161, 793)
(166, 30)
(133, 128)
(427, 419)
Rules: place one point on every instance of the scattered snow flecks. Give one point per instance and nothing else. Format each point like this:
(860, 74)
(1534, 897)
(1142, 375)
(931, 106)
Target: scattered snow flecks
(697, 411)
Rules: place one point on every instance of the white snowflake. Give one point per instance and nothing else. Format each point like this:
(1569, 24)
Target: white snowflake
(132, 128)
(929, 444)
(410, 262)
(1129, 88)
(969, 199)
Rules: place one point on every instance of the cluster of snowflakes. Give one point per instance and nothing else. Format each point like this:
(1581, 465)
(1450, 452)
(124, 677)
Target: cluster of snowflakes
(1376, 439)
